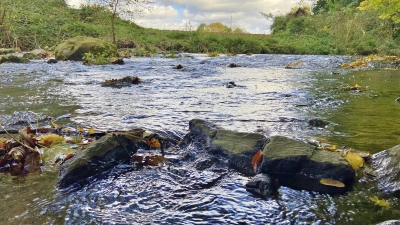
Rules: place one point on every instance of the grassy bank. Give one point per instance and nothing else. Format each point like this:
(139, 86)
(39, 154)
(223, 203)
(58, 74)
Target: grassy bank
(343, 31)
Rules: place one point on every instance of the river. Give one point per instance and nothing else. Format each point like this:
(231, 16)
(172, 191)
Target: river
(268, 99)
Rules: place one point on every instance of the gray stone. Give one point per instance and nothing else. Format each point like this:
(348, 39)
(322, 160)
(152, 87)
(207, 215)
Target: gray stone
(386, 164)
(39, 52)
(262, 185)
(301, 166)
(75, 48)
(236, 147)
(102, 155)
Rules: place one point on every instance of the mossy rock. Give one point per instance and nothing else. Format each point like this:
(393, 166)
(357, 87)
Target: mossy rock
(29, 55)
(75, 48)
(301, 166)
(13, 59)
(237, 147)
(4, 51)
(107, 152)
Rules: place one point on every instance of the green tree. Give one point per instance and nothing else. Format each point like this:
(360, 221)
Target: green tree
(127, 9)
(388, 9)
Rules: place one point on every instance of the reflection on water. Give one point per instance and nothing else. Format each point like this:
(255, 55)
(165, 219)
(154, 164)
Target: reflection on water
(268, 99)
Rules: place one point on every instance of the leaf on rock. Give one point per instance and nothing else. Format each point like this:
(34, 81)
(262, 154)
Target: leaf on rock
(53, 125)
(354, 160)
(91, 130)
(80, 129)
(153, 143)
(49, 139)
(332, 182)
(256, 160)
(380, 202)
(3, 143)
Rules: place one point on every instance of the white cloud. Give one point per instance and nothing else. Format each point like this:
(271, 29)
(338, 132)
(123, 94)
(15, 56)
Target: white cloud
(174, 14)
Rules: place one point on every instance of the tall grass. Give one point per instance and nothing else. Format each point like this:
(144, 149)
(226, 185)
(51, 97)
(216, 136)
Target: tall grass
(341, 31)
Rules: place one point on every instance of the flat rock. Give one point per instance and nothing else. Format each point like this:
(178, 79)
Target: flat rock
(301, 166)
(236, 147)
(102, 155)
(386, 164)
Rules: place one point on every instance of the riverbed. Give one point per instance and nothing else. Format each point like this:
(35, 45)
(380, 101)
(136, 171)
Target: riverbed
(267, 99)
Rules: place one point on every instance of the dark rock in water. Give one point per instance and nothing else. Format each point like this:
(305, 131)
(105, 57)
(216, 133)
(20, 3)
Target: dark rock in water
(235, 147)
(178, 67)
(233, 65)
(301, 166)
(205, 164)
(123, 82)
(317, 123)
(102, 155)
(386, 164)
(262, 185)
(52, 61)
(230, 84)
(390, 222)
(118, 61)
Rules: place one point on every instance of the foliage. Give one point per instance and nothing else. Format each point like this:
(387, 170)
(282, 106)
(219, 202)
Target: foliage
(345, 30)
(387, 9)
(124, 9)
(342, 29)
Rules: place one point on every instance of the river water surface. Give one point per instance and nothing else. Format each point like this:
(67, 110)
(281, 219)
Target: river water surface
(268, 99)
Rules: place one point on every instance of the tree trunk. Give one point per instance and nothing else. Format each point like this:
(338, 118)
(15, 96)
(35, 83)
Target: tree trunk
(113, 27)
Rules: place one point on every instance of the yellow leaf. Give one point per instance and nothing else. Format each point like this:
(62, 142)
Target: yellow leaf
(332, 182)
(354, 160)
(80, 129)
(153, 143)
(49, 139)
(380, 202)
(91, 130)
(53, 125)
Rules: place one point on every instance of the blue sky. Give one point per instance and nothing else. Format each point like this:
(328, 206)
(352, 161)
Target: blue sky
(186, 14)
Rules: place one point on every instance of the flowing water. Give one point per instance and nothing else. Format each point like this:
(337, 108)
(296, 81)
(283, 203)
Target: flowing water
(267, 99)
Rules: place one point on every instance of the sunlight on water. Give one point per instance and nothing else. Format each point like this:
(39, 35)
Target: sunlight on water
(267, 99)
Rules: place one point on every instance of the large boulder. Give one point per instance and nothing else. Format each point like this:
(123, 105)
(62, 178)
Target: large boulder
(236, 147)
(102, 155)
(301, 166)
(386, 164)
(74, 48)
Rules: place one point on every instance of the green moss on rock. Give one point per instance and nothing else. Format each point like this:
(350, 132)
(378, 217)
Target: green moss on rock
(75, 48)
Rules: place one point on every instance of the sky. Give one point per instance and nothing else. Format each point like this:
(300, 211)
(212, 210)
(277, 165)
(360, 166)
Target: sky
(189, 14)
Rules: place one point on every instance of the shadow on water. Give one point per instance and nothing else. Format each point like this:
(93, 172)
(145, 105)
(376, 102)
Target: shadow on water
(267, 99)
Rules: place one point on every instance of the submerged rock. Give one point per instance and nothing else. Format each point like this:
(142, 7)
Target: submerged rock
(386, 163)
(102, 155)
(75, 48)
(262, 185)
(390, 222)
(301, 166)
(235, 147)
